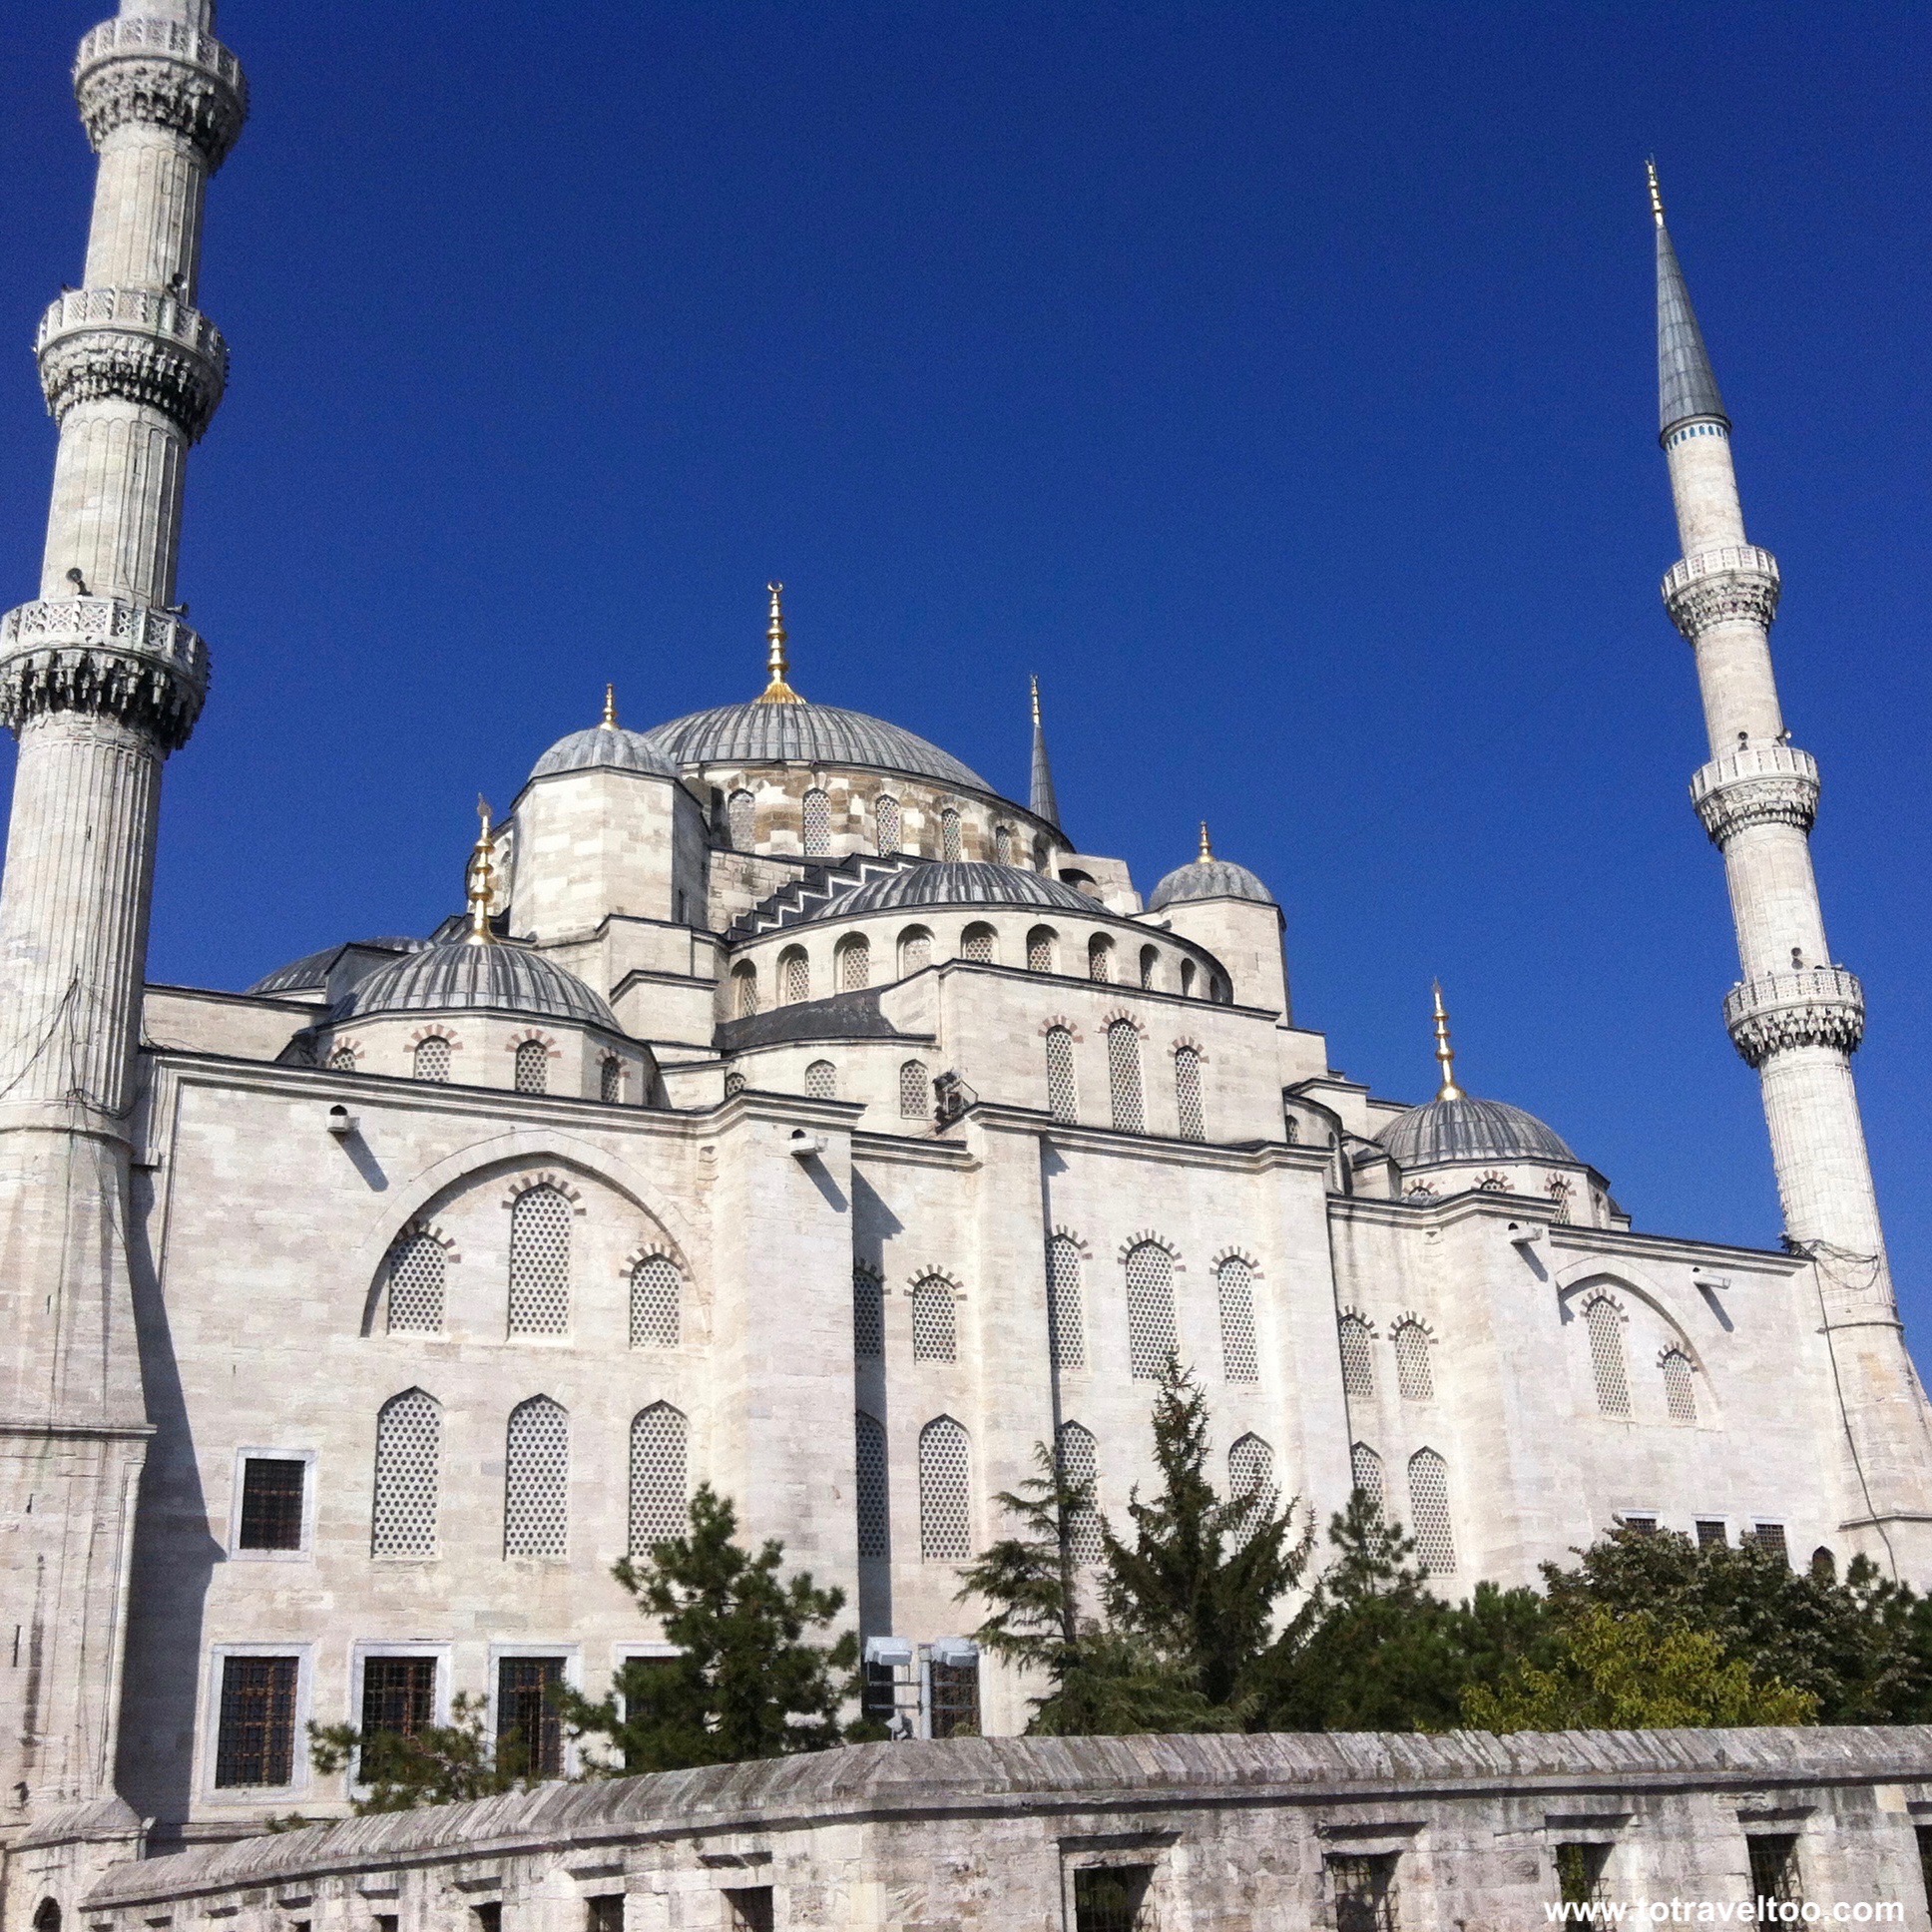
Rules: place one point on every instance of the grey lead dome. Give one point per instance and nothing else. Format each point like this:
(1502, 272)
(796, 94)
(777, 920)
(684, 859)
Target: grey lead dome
(959, 882)
(1208, 878)
(606, 747)
(805, 733)
(1465, 1129)
(503, 977)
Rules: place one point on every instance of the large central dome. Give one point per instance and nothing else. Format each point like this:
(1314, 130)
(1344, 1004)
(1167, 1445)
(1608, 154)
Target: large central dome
(800, 733)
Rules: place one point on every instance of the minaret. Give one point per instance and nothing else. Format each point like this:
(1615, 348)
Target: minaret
(99, 679)
(1041, 801)
(1796, 1016)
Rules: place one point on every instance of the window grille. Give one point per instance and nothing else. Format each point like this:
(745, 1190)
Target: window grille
(654, 1294)
(1124, 1076)
(1187, 979)
(1607, 1356)
(976, 946)
(1100, 957)
(1235, 1281)
(431, 1061)
(954, 1708)
(745, 985)
(1065, 1328)
(875, 1520)
(529, 1728)
(256, 1739)
(533, 1066)
(1078, 1460)
(935, 1320)
(1150, 966)
(540, 1262)
(915, 1091)
(536, 1479)
(660, 1476)
(794, 977)
(1640, 1525)
(915, 951)
(1364, 1891)
(1365, 1471)
(743, 815)
(399, 1695)
(408, 1458)
(417, 1266)
(1711, 1534)
(868, 1313)
(886, 819)
(609, 1079)
(1250, 1480)
(1775, 1868)
(271, 1502)
(945, 1508)
(949, 834)
(821, 1081)
(1186, 1094)
(752, 1907)
(1108, 1898)
(1040, 950)
(1429, 1512)
(733, 1084)
(1003, 845)
(1679, 1390)
(1770, 1537)
(1149, 1310)
(603, 1912)
(1580, 1872)
(342, 1061)
(1063, 1096)
(855, 966)
(1358, 1358)
(819, 824)
(1414, 1373)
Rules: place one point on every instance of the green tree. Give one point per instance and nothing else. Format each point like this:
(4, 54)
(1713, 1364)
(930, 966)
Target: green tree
(435, 1765)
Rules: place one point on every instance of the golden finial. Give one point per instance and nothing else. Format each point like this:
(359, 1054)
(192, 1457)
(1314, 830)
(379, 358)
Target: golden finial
(778, 692)
(1657, 193)
(1445, 1052)
(479, 882)
(1035, 683)
(1206, 851)
(610, 707)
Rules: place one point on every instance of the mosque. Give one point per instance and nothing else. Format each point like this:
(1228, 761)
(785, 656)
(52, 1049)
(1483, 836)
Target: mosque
(790, 1111)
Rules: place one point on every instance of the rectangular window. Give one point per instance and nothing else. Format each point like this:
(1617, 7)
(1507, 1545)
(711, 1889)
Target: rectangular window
(1925, 1862)
(398, 1695)
(1769, 1537)
(955, 1699)
(1640, 1525)
(1580, 1872)
(1711, 1533)
(751, 1907)
(529, 1731)
(1108, 1898)
(1773, 1867)
(1363, 1887)
(604, 1913)
(271, 1502)
(256, 1739)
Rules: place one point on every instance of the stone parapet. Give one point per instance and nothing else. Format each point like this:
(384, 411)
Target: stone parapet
(107, 655)
(1720, 586)
(142, 67)
(1757, 784)
(1807, 1006)
(137, 344)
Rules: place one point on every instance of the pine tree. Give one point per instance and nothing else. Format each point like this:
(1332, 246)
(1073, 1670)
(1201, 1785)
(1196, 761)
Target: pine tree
(435, 1765)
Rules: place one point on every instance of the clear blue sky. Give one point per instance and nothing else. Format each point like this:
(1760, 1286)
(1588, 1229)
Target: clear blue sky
(1277, 382)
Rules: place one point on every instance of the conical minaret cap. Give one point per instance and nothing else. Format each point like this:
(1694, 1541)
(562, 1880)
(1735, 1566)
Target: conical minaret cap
(1687, 389)
(1041, 801)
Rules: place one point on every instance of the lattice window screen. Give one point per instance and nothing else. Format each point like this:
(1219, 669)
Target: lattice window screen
(1366, 1468)
(533, 1066)
(1003, 845)
(1079, 1463)
(819, 824)
(945, 1492)
(742, 813)
(1100, 957)
(408, 1457)
(915, 1091)
(1124, 1076)
(1435, 1543)
(935, 1322)
(1358, 1359)
(417, 1270)
(874, 1496)
(342, 1061)
(1235, 1281)
(855, 966)
(886, 819)
(949, 834)
(656, 1289)
(1040, 950)
(868, 1313)
(1414, 1373)
(609, 1079)
(660, 1476)
(1607, 1357)
(1065, 1325)
(1063, 1093)
(744, 979)
(540, 1263)
(1149, 1310)
(821, 1081)
(977, 945)
(1680, 1389)
(1251, 1478)
(794, 977)
(915, 953)
(1186, 1094)
(1149, 965)
(431, 1058)
(536, 1479)
(733, 1084)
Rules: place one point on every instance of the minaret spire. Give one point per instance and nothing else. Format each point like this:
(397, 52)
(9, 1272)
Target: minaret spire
(1041, 799)
(776, 691)
(1445, 1052)
(479, 881)
(1686, 384)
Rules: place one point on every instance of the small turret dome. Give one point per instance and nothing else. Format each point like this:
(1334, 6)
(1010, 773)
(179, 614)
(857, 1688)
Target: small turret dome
(496, 976)
(1208, 878)
(605, 746)
(1467, 1129)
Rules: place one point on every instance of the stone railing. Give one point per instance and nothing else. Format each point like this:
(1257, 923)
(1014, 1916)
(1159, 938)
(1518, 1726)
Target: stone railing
(1757, 784)
(1716, 586)
(139, 345)
(103, 656)
(139, 66)
(1804, 1006)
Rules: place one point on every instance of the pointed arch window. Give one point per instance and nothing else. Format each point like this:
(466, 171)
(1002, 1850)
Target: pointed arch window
(1150, 966)
(609, 1079)
(408, 1475)
(1365, 1469)
(744, 990)
(1124, 1076)
(979, 946)
(1187, 970)
(1100, 957)
(818, 823)
(1066, 1336)
(1063, 1093)
(1606, 1331)
(935, 1320)
(1358, 1358)
(1003, 845)
(855, 964)
(741, 815)
(1040, 948)
(1435, 1540)
(657, 1289)
(532, 1067)
(886, 825)
(794, 976)
(1189, 1116)
(1414, 1373)
(1251, 1481)
(873, 1494)
(431, 1060)
(821, 1081)
(915, 1091)
(915, 951)
(342, 1061)
(868, 1313)
(949, 834)
(945, 1492)
(418, 1267)
(660, 1476)
(1235, 1279)
(540, 1262)
(536, 1479)
(1078, 1456)
(1680, 1386)
(1149, 1310)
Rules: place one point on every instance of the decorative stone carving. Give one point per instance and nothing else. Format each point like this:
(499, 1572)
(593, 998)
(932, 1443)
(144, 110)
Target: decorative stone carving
(1758, 784)
(106, 656)
(140, 67)
(1807, 1006)
(1720, 586)
(139, 345)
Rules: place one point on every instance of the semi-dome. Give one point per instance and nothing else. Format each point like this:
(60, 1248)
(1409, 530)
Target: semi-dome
(307, 974)
(958, 882)
(497, 976)
(1466, 1129)
(799, 732)
(1208, 878)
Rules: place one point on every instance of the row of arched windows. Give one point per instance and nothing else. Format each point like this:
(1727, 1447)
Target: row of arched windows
(536, 1477)
(1148, 1272)
(1429, 1523)
(1610, 1372)
(888, 828)
(430, 1060)
(1414, 1369)
(1126, 1103)
(945, 1490)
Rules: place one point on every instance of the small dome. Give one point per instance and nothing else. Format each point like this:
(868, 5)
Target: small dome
(307, 974)
(1465, 1129)
(959, 882)
(805, 734)
(608, 747)
(502, 977)
(1208, 878)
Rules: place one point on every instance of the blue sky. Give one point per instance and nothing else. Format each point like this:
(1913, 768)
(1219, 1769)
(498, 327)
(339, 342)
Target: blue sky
(1277, 383)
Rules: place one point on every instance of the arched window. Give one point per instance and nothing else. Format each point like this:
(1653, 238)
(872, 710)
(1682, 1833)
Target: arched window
(1187, 979)
(1679, 1390)
(1100, 957)
(660, 1476)
(1066, 1336)
(794, 976)
(744, 990)
(46, 1916)
(1124, 1076)
(742, 814)
(533, 1066)
(1824, 1565)
(1435, 1542)
(1186, 1094)
(855, 964)
(821, 1081)
(1234, 1278)
(1358, 1359)
(431, 1058)
(1078, 1460)
(1041, 852)
(536, 1479)
(868, 1313)
(656, 1291)
(945, 1492)
(609, 1079)
(408, 1474)
(818, 823)
(915, 951)
(1149, 965)
(949, 834)
(342, 1061)
(540, 1262)
(1063, 1096)
(1251, 1481)
(1150, 1309)
(733, 1084)
(1040, 948)
(874, 1499)
(885, 824)
(1365, 1468)
(417, 1266)
(915, 1091)
(978, 944)
(1413, 1373)
(1003, 845)
(935, 1320)
(1606, 1329)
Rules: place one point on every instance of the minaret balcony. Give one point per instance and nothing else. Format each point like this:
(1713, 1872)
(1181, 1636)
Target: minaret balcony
(103, 656)
(1757, 784)
(1803, 1006)
(142, 67)
(1738, 581)
(137, 344)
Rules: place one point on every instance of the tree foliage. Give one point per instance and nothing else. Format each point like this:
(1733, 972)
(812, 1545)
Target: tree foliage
(434, 1765)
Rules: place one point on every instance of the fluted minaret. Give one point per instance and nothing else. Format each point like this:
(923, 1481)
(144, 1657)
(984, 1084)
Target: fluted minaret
(99, 679)
(1796, 1016)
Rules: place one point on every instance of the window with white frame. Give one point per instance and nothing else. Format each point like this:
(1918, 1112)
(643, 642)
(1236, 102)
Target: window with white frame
(418, 1270)
(886, 825)
(1124, 1076)
(1066, 1335)
(873, 1496)
(1078, 1460)
(818, 823)
(540, 1262)
(945, 1492)
(660, 1476)
(1189, 1116)
(408, 1475)
(1234, 1282)
(1414, 1374)
(1605, 1327)
(1150, 1309)
(742, 816)
(657, 1289)
(431, 1058)
(1040, 949)
(255, 1735)
(1435, 1540)
(1063, 1093)
(273, 1514)
(1365, 1471)
(536, 1479)
(935, 1320)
